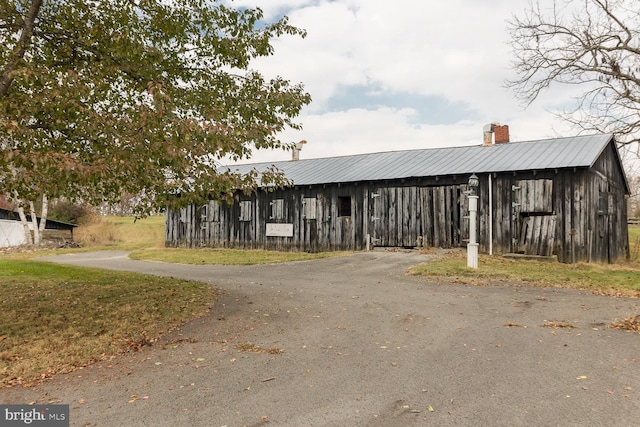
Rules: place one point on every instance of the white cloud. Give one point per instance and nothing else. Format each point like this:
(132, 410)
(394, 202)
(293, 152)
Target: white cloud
(382, 74)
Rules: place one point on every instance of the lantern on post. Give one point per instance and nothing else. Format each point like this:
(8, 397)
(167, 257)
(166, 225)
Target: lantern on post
(472, 247)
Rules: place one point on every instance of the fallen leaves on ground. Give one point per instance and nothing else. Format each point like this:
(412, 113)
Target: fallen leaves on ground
(631, 323)
(555, 324)
(135, 397)
(254, 348)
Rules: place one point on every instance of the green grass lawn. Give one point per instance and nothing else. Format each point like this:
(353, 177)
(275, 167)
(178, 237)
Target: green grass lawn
(56, 318)
(208, 256)
(619, 279)
(634, 243)
(145, 239)
(122, 232)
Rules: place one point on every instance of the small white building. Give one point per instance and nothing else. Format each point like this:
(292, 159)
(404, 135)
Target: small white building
(11, 233)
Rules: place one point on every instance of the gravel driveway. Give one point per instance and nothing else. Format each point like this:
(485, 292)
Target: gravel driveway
(355, 341)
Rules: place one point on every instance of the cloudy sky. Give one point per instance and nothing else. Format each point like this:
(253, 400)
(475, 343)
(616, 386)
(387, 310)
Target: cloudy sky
(404, 74)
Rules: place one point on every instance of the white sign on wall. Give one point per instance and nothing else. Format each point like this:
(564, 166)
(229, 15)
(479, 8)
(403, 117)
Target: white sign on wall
(279, 230)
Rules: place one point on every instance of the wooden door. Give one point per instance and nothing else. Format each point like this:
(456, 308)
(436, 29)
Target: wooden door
(534, 222)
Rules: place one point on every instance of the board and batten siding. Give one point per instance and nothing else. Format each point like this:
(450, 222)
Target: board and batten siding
(336, 217)
(591, 211)
(419, 216)
(322, 219)
(579, 214)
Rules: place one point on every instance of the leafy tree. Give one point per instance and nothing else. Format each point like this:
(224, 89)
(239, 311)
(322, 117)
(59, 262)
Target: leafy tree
(75, 213)
(100, 98)
(594, 44)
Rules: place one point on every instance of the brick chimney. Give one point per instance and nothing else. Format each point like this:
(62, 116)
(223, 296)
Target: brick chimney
(501, 134)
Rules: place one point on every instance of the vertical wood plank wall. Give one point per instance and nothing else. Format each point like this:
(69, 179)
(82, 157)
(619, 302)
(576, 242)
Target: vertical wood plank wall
(576, 214)
(404, 216)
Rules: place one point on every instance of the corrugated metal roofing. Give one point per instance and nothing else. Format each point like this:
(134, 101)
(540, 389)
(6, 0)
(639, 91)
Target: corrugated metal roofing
(579, 151)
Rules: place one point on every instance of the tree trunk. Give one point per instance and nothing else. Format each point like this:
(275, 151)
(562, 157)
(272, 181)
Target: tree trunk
(38, 228)
(43, 215)
(34, 221)
(25, 224)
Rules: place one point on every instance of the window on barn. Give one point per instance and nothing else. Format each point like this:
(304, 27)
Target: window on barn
(606, 203)
(344, 206)
(213, 211)
(245, 210)
(535, 196)
(309, 204)
(277, 210)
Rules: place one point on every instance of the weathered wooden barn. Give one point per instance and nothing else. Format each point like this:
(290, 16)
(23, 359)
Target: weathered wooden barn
(564, 197)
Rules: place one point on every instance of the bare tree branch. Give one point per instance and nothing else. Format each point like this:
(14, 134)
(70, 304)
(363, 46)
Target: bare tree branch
(21, 47)
(594, 44)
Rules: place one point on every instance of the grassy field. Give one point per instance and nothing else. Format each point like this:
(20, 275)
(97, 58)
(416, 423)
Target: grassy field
(619, 279)
(145, 239)
(126, 233)
(204, 256)
(56, 318)
(634, 243)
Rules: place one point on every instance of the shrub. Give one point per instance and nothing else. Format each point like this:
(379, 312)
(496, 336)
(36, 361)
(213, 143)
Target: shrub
(75, 213)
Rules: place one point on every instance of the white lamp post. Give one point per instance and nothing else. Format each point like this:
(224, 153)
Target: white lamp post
(472, 247)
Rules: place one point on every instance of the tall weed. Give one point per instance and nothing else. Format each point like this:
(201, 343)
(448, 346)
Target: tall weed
(634, 243)
(95, 231)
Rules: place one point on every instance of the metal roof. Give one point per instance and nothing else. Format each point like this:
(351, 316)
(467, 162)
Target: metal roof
(10, 214)
(557, 153)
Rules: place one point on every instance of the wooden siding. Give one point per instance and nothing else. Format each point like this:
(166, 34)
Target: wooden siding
(418, 216)
(538, 234)
(314, 213)
(576, 214)
(404, 216)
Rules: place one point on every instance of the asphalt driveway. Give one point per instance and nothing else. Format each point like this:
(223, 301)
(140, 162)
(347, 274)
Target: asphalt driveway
(354, 341)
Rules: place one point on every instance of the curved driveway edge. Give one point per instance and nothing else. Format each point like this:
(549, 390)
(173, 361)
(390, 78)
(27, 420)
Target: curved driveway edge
(354, 341)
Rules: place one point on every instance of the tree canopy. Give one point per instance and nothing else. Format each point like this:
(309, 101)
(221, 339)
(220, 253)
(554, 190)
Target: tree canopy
(146, 97)
(594, 44)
